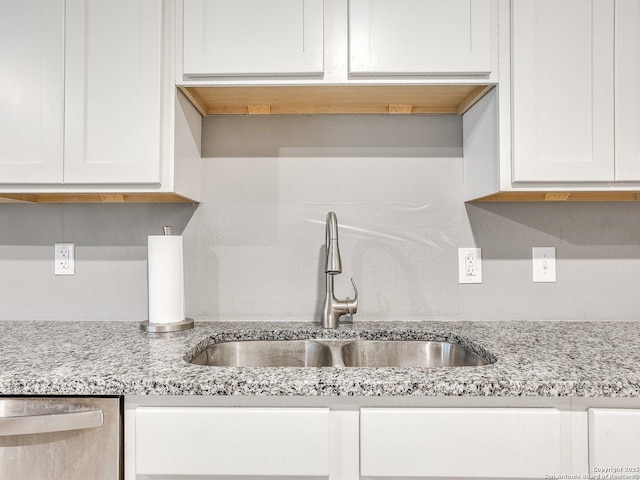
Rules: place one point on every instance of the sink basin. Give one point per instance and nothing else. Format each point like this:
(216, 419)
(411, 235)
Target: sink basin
(266, 353)
(408, 353)
(338, 353)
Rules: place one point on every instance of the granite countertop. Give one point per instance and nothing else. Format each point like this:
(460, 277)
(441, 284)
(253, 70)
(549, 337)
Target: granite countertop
(546, 358)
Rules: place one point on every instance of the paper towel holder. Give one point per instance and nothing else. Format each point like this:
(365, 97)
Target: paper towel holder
(151, 327)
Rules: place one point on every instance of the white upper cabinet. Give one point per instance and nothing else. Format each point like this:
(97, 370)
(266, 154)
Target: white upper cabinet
(253, 37)
(568, 105)
(562, 90)
(31, 90)
(88, 105)
(627, 93)
(419, 37)
(113, 91)
(81, 92)
(258, 42)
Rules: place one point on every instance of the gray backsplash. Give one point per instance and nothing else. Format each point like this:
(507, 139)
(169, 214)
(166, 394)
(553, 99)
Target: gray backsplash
(253, 246)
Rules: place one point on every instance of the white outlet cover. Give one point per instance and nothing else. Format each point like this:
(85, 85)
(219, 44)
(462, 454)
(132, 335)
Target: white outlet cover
(65, 259)
(469, 265)
(544, 264)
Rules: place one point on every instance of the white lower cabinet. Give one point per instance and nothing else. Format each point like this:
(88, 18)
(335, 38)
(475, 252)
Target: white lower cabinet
(202, 442)
(614, 442)
(460, 442)
(343, 442)
(199, 438)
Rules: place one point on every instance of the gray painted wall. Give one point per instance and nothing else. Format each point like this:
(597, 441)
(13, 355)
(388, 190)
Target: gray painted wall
(253, 248)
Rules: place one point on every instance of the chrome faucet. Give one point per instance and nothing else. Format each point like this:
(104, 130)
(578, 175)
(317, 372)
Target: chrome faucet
(334, 308)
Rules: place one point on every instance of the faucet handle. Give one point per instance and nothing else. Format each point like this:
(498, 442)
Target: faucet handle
(352, 305)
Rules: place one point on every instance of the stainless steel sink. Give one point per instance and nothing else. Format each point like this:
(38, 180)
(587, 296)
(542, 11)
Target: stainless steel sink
(409, 353)
(338, 353)
(266, 353)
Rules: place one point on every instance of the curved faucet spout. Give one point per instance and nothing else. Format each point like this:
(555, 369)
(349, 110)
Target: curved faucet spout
(333, 263)
(333, 308)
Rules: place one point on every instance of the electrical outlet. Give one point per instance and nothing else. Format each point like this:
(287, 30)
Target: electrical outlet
(544, 264)
(469, 265)
(64, 257)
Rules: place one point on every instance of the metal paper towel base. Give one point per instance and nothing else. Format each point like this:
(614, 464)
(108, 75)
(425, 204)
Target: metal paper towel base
(147, 326)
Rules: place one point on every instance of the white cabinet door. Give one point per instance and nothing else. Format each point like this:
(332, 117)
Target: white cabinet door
(253, 37)
(407, 37)
(562, 90)
(227, 442)
(31, 90)
(112, 91)
(627, 74)
(460, 442)
(614, 442)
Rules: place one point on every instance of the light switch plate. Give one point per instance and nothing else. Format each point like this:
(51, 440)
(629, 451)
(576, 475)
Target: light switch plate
(469, 265)
(544, 264)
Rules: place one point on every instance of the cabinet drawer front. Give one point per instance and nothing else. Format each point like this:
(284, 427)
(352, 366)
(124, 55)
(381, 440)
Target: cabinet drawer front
(232, 441)
(460, 442)
(614, 441)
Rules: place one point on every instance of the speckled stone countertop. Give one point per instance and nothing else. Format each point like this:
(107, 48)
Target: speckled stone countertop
(550, 359)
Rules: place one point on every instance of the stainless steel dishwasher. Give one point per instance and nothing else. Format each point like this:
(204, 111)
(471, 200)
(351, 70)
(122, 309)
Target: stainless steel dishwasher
(47, 438)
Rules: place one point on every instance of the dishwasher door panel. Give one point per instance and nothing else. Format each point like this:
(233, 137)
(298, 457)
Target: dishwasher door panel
(62, 438)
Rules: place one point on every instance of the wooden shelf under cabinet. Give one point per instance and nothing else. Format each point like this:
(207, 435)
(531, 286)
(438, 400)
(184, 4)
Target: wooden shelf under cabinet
(342, 99)
(560, 196)
(93, 198)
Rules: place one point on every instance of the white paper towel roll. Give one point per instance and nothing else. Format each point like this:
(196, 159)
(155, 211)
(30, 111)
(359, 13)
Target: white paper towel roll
(166, 279)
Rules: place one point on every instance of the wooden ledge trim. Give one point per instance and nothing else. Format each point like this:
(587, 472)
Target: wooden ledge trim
(93, 198)
(547, 196)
